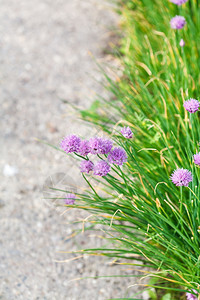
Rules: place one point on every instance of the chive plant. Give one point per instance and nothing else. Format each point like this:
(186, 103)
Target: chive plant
(149, 169)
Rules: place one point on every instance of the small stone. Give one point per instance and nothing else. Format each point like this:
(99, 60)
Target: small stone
(9, 170)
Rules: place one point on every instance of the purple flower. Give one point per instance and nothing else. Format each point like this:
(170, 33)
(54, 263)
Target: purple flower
(70, 143)
(191, 105)
(86, 166)
(177, 22)
(84, 148)
(105, 146)
(94, 144)
(182, 43)
(191, 296)
(197, 159)
(181, 177)
(70, 199)
(126, 132)
(100, 146)
(102, 168)
(117, 156)
(178, 2)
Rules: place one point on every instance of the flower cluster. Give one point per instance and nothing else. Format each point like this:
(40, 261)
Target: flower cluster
(197, 159)
(70, 143)
(181, 177)
(117, 156)
(87, 166)
(191, 105)
(70, 199)
(84, 148)
(102, 168)
(100, 146)
(127, 132)
(97, 146)
(178, 22)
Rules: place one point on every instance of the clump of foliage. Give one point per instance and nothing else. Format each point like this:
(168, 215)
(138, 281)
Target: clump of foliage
(149, 217)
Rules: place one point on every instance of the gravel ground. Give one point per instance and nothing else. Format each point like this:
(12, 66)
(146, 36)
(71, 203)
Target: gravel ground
(44, 58)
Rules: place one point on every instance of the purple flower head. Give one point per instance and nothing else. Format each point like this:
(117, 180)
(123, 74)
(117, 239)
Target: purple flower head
(182, 43)
(126, 132)
(177, 22)
(178, 2)
(190, 296)
(181, 177)
(105, 146)
(70, 143)
(100, 146)
(102, 168)
(191, 105)
(197, 159)
(94, 144)
(117, 156)
(84, 148)
(70, 199)
(86, 166)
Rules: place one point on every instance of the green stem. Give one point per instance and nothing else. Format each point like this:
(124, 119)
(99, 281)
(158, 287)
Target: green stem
(91, 186)
(181, 206)
(192, 129)
(86, 158)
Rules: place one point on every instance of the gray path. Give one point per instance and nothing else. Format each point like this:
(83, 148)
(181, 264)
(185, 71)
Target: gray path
(44, 57)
